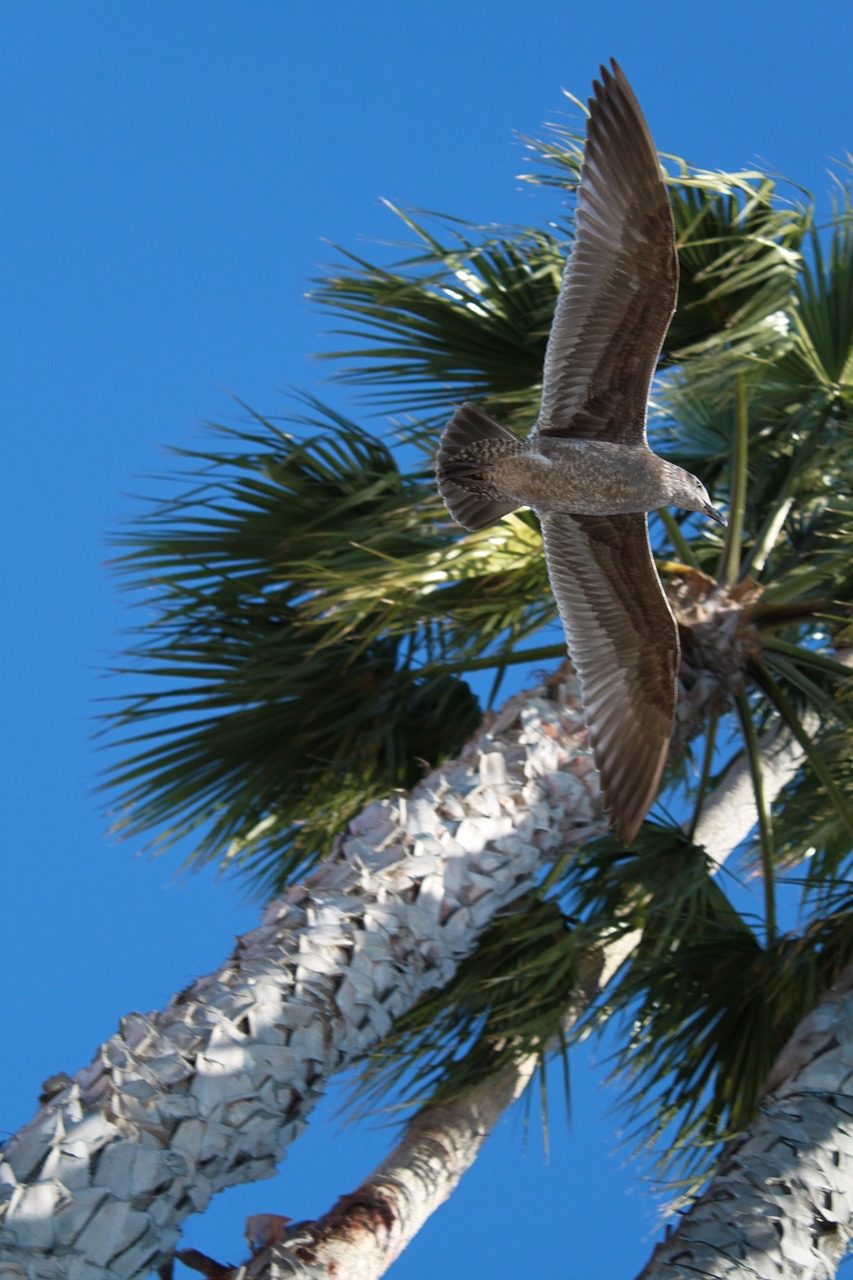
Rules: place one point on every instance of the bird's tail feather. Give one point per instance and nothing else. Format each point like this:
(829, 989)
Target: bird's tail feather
(470, 444)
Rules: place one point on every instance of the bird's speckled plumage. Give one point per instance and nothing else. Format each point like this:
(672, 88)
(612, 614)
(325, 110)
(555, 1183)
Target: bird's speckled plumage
(586, 468)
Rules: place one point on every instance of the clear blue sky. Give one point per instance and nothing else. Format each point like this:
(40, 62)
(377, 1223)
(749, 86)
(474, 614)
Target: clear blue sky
(170, 172)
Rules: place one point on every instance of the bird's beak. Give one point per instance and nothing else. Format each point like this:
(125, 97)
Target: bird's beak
(714, 514)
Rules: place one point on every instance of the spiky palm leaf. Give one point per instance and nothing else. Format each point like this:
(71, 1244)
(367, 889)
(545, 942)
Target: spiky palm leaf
(463, 318)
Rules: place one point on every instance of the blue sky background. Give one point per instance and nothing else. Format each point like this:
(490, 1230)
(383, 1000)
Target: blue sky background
(170, 172)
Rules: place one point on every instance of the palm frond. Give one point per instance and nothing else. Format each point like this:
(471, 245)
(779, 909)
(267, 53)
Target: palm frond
(706, 1017)
(824, 314)
(809, 827)
(262, 724)
(464, 319)
(738, 249)
(466, 314)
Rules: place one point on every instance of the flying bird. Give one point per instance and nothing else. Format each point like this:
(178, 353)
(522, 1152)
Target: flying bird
(586, 468)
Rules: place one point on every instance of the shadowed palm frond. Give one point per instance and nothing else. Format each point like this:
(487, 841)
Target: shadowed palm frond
(705, 1003)
(267, 724)
(809, 829)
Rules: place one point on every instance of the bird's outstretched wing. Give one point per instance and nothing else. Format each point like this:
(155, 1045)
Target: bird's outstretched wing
(623, 643)
(621, 281)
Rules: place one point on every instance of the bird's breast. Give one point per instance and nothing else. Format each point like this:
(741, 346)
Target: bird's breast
(583, 477)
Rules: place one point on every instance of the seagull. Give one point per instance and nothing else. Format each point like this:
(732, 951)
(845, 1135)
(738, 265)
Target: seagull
(586, 468)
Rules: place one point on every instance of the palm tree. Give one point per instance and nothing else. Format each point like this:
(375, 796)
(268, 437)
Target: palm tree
(317, 630)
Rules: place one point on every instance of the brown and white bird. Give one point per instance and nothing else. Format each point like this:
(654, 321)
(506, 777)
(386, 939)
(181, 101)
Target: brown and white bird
(586, 468)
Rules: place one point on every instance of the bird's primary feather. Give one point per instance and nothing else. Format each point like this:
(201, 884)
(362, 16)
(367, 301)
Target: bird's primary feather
(623, 643)
(620, 284)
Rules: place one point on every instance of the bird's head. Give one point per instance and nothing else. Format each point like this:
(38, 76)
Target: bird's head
(688, 491)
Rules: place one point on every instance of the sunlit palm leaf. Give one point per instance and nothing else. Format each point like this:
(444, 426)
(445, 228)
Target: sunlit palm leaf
(738, 258)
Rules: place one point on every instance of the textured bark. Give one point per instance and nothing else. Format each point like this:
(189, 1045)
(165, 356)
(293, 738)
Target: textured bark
(182, 1103)
(731, 812)
(364, 1232)
(780, 1204)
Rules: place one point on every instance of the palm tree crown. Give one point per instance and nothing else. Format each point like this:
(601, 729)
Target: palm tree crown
(318, 628)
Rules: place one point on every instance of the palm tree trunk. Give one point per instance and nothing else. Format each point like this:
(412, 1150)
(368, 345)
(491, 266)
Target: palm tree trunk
(366, 1231)
(781, 1204)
